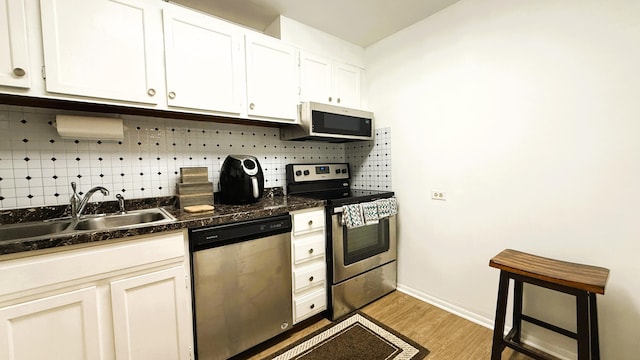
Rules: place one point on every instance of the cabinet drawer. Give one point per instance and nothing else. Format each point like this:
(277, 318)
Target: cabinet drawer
(308, 221)
(308, 248)
(309, 276)
(310, 305)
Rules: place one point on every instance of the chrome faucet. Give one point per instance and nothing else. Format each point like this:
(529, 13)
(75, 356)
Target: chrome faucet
(78, 205)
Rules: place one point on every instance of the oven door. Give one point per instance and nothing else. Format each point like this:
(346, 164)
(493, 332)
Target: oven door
(360, 249)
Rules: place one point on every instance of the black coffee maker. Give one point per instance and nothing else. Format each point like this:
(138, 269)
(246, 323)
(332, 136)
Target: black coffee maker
(241, 180)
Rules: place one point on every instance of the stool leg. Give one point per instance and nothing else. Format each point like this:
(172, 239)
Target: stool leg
(593, 317)
(517, 309)
(582, 309)
(501, 312)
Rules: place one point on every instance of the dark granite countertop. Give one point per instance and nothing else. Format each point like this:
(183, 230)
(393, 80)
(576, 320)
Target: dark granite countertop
(267, 206)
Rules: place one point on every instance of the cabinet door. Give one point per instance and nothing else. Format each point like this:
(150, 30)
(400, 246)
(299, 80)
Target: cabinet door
(346, 85)
(272, 80)
(315, 78)
(151, 317)
(203, 61)
(64, 326)
(103, 48)
(14, 54)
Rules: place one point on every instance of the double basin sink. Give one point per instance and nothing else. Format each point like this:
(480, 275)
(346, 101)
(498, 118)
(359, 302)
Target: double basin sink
(68, 226)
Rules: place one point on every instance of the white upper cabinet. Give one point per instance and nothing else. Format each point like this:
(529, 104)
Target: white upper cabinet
(14, 54)
(330, 82)
(104, 49)
(315, 78)
(272, 78)
(204, 61)
(347, 80)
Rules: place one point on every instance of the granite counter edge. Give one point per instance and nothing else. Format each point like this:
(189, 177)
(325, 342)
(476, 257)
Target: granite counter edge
(184, 221)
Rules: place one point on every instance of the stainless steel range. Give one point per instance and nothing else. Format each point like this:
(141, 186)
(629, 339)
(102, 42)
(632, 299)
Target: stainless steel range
(361, 257)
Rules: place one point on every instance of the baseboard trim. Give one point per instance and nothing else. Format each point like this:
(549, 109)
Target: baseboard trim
(560, 353)
(446, 306)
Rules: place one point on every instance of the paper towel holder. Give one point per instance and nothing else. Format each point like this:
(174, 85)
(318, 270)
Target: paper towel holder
(89, 127)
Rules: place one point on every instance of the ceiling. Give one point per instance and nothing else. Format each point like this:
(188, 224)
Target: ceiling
(362, 22)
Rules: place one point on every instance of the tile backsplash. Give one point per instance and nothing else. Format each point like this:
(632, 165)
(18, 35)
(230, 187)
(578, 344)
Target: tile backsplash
(37, 166)
(370, 161)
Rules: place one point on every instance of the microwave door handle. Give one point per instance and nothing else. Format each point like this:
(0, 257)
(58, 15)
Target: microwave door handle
(254, 185)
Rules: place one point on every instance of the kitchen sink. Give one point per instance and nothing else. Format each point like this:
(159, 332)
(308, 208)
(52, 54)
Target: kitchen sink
(33, 229)
(129, 219)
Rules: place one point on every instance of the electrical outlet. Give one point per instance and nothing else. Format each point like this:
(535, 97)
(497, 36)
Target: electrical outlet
(438, 195)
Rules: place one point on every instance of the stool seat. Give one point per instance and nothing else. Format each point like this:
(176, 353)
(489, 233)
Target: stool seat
(582, 281)
(578, 276)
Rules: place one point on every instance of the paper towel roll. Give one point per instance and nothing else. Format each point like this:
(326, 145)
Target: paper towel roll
(88, 127)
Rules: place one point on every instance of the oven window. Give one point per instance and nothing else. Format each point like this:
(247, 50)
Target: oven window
(366, 241)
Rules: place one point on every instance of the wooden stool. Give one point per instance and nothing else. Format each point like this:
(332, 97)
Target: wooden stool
(582, 281)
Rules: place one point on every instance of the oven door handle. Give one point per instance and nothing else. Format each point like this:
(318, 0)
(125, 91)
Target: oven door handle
(337, 213)
(339, 210)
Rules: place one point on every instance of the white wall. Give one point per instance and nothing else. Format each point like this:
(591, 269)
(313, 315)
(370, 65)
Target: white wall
(527, 113)
(308, 38)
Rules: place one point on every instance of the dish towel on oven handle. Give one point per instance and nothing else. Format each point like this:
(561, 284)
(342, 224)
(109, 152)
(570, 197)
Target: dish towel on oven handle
(368, 213)
(352, 216)
(387, 207)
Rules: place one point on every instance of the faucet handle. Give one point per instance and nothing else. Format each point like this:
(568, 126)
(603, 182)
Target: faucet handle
(74, 201)
(120, 199)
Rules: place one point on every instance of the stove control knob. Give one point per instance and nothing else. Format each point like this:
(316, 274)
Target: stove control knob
(306, 172)
(337, 171)
(298, 172)
(344, 171)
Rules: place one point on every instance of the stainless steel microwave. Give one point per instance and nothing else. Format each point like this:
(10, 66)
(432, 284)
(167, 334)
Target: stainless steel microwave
(322, 122)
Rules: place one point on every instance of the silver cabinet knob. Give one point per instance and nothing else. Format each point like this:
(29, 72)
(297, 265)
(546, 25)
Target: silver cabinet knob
(312, 306)
(310, 222)
(151, 92)
(19, 72)
(330, 99)
(310, 278)
(172, 95)
(311, 251)
(338, 100)
(252, 106)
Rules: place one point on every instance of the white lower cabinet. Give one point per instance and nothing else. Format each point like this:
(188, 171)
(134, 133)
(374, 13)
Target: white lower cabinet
(151, 304)
(63, 326)
(126, 300)
(309, 266)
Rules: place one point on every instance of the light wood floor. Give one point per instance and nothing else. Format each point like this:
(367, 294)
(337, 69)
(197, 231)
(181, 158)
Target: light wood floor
(447, 336)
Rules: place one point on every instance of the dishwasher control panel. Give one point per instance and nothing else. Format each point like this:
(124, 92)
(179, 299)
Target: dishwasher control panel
(224, 234)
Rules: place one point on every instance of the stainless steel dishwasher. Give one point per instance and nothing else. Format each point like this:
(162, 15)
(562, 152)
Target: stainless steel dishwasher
(241, 275)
